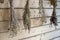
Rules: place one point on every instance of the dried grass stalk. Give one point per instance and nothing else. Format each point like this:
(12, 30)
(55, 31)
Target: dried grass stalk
(26, 17)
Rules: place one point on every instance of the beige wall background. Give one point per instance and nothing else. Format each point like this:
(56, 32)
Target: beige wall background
(37, 32)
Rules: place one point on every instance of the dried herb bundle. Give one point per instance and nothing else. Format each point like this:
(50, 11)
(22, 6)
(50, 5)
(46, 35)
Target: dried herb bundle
(53, 2)
(26, 17)
(53, 19)
(41, 11)
(1, 1)
(13, 20)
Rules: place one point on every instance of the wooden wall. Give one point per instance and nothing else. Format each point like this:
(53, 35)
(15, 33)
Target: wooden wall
(38, 32)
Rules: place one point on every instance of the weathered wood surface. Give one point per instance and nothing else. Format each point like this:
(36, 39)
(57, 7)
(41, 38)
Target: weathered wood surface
(34, 13)
(36, 33)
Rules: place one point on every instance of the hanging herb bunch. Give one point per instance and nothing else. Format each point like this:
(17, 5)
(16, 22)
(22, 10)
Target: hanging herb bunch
(13, 20)
(53, 2)
(53, 19)
(1, 1)
(42, 12)
(26, 17)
